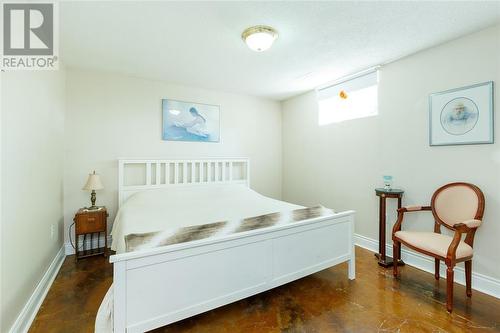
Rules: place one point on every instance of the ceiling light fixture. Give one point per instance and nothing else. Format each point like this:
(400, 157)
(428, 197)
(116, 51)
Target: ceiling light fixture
(259, 38)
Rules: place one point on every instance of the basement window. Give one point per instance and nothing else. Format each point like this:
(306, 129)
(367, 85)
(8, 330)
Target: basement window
(351, 99)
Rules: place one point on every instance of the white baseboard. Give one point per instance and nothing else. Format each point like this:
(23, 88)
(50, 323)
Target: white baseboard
(69, 250)
(480, 282)
(28, 313)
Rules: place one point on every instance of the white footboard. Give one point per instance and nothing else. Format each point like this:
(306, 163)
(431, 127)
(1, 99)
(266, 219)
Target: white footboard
(157, 287)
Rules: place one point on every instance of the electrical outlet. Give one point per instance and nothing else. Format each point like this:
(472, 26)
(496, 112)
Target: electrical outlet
(52, 230)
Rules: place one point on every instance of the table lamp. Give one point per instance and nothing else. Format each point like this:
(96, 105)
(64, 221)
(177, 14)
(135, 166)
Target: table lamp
(93, 183)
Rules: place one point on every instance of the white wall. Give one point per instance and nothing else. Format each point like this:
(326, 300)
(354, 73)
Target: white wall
(339, 165)
(32, 105)
(111, 116)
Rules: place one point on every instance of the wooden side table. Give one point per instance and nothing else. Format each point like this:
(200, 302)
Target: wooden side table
(383, 194)
(91, 222)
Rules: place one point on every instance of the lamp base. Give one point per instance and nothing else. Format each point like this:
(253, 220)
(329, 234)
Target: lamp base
(92, 198)
(92, 208)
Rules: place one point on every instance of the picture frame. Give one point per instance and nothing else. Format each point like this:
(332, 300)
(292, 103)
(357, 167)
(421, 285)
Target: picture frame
(190, 121)
(462, 116)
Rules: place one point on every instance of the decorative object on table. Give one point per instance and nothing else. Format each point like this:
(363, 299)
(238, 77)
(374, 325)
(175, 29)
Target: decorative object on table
(462, 116)
(383, 194)
(90, 223)
(187, 121)
(387, 182)
(457, 206)
(93, 183)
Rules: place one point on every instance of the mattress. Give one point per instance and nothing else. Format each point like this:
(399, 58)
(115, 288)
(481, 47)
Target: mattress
(177, 207)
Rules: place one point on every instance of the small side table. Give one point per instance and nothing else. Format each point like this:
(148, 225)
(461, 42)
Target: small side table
(383, 194)
(90, 222)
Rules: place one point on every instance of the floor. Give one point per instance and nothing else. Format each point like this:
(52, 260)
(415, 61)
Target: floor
(324, 302)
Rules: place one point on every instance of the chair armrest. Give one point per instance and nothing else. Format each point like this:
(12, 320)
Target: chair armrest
(467, 227)
(472, 223)
(407, 209)
(413, 208)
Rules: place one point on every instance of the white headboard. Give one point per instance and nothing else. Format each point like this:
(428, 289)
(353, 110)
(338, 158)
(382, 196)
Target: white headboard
(136, 175)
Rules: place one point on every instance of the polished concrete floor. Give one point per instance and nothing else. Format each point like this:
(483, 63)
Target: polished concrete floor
(324, 302)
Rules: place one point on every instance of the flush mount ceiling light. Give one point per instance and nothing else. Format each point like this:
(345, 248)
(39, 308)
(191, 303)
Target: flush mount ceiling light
(259, 38)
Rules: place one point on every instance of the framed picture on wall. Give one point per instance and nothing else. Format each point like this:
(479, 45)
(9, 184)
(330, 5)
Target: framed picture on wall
(462, 116)
(188, 121)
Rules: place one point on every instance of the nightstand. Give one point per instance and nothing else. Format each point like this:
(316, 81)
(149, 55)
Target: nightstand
(90, 224)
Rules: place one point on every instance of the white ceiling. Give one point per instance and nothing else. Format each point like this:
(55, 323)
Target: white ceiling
(199, 44)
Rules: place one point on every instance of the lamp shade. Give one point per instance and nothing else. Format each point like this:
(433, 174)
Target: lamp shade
(93, 183)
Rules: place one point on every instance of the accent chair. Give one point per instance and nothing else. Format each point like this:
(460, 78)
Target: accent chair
(458, 207)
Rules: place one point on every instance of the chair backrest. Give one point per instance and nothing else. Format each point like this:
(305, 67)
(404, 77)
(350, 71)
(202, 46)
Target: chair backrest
(457, 202)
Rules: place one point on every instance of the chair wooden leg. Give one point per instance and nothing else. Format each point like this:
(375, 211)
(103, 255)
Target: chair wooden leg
(449, 288)
(468, 277)
(395, 257)
(436, 269)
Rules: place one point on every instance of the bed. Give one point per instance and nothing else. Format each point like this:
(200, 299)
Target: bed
(190, 236)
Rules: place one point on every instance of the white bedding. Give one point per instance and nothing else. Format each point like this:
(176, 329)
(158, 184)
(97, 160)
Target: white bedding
(181, 206)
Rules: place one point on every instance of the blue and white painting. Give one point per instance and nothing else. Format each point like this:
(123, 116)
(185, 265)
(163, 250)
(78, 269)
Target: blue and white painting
(187, 121)
(462, 116)
(459, 116)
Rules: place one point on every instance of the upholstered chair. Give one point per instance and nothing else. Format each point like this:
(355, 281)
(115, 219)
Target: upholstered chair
(458, 207)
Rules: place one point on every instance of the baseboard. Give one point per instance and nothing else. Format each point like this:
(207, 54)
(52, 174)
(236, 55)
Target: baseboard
(480, 282)
(28, 313)
(69, 250)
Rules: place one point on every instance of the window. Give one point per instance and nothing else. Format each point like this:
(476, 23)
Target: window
(351, 99)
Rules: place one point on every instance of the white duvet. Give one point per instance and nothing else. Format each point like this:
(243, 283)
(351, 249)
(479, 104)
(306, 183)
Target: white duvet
(181, 206)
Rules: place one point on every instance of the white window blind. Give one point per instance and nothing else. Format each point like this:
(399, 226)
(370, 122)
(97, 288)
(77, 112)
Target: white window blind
(351, 99)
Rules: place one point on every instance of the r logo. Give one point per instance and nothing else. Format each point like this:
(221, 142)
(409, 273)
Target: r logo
(28, 29)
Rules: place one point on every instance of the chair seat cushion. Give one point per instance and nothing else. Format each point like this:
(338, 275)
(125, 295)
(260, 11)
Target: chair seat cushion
(434, 243)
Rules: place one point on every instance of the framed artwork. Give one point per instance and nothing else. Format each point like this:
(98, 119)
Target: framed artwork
(188, 121)
(462, 116)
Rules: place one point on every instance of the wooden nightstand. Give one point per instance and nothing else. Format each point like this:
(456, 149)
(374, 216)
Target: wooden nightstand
(89, 223)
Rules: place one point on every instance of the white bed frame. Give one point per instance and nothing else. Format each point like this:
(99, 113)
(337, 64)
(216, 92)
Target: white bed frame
(159, 286)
